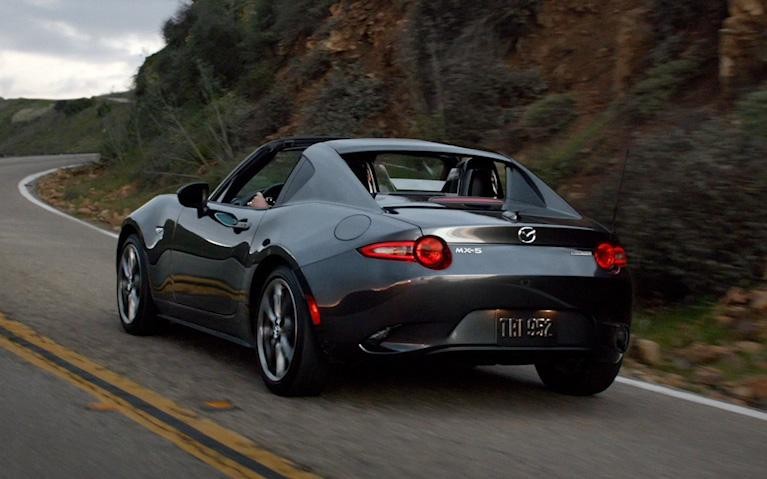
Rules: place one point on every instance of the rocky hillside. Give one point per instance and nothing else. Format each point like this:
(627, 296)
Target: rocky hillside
(566, 86)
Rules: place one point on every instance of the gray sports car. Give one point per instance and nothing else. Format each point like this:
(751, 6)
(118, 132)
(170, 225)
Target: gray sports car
(314, 250)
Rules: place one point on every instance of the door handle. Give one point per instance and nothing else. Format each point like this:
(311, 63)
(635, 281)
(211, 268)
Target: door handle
(241, 225)
(231, 221)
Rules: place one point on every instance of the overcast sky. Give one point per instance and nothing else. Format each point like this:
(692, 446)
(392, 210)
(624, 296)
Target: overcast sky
(76, 48)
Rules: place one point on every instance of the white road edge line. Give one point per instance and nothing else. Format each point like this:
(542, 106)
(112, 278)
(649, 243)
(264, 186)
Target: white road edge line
(24, 185)
(694, 398)
(663, 390)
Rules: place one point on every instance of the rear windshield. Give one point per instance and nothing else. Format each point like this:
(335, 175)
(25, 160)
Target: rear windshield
(397, 172)
(415, 172)
(430, 175)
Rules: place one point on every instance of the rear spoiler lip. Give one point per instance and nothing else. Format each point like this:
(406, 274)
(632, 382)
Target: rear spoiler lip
(466, 200)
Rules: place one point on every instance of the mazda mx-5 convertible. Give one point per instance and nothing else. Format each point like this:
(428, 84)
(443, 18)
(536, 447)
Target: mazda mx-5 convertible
(317, 250)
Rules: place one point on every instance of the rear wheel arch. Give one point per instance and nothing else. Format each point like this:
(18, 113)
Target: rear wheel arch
(307, 366)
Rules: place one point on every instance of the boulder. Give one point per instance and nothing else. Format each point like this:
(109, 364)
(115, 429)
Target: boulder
(736, 311)
(740, 391)
(646, 351)
(724, 320)
(757, 389)
(748, 347)
(699, 353)
(708, 376)
(127, 190)
(735, 296)
(759, 301)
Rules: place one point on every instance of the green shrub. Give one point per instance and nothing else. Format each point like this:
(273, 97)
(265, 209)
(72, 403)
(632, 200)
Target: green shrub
(454, 54)
(176, 28)
(347, 100)
(214, 40)
(73, 107)
(271, 113)
(549, 115)
(562, 159)
(752, 111)
(309, 68)
(524, 85)
(653, 94)
(297, 18)
(692, 209)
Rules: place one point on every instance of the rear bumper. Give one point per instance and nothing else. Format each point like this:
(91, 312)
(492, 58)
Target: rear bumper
(403, 309)
(478, 333)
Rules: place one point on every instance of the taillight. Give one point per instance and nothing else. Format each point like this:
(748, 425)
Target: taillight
(394, 250)
(610, 257)
(430, 251)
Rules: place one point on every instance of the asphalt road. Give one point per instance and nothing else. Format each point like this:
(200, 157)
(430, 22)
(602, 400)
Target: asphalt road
(52, 429)
(57, 277)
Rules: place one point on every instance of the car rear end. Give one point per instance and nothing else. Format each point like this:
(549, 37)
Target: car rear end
(486, 261)
(494, 289)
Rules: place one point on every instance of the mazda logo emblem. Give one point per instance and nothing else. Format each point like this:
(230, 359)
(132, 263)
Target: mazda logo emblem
(526, 235)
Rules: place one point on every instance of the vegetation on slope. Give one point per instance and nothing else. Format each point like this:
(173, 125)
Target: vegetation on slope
(29, 127)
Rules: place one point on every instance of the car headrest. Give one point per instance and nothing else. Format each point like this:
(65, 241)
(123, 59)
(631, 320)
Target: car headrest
(481, 183)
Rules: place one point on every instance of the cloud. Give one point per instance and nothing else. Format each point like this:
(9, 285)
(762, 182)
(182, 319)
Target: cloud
(34, 75)
(82, 47)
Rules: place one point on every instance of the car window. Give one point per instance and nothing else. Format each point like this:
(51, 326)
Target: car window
(399, 172)
(268, 179)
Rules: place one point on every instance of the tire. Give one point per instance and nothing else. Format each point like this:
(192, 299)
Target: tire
(135, 306)
(578, 377)
(283, 329)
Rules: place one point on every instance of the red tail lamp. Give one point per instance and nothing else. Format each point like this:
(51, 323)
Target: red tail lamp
(429, 251)
(393, 250)
(610, 257)
(432, 252)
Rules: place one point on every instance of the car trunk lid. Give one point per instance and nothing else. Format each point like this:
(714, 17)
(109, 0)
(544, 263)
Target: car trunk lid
(539, 227)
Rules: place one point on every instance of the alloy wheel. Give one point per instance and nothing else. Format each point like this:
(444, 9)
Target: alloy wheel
(129, 284)
(277, 329)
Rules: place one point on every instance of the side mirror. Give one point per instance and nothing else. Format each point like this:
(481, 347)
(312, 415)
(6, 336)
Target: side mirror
(194, 195)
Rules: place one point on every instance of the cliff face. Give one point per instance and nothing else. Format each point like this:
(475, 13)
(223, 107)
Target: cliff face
(426, 65)
(593, 51)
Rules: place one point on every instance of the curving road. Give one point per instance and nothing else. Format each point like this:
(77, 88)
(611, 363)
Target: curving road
(56, 276)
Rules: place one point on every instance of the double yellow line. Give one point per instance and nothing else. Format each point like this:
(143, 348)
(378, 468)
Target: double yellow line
(221, 448)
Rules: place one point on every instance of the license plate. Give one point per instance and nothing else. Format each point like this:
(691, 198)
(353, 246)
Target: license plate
(517, 330)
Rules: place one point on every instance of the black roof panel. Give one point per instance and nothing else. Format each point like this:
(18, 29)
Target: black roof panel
(393, 144)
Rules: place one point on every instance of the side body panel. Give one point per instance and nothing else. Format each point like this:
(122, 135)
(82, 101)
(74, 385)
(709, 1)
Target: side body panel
(210, 263)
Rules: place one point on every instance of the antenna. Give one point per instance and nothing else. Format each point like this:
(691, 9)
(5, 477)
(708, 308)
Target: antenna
(620, 190)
